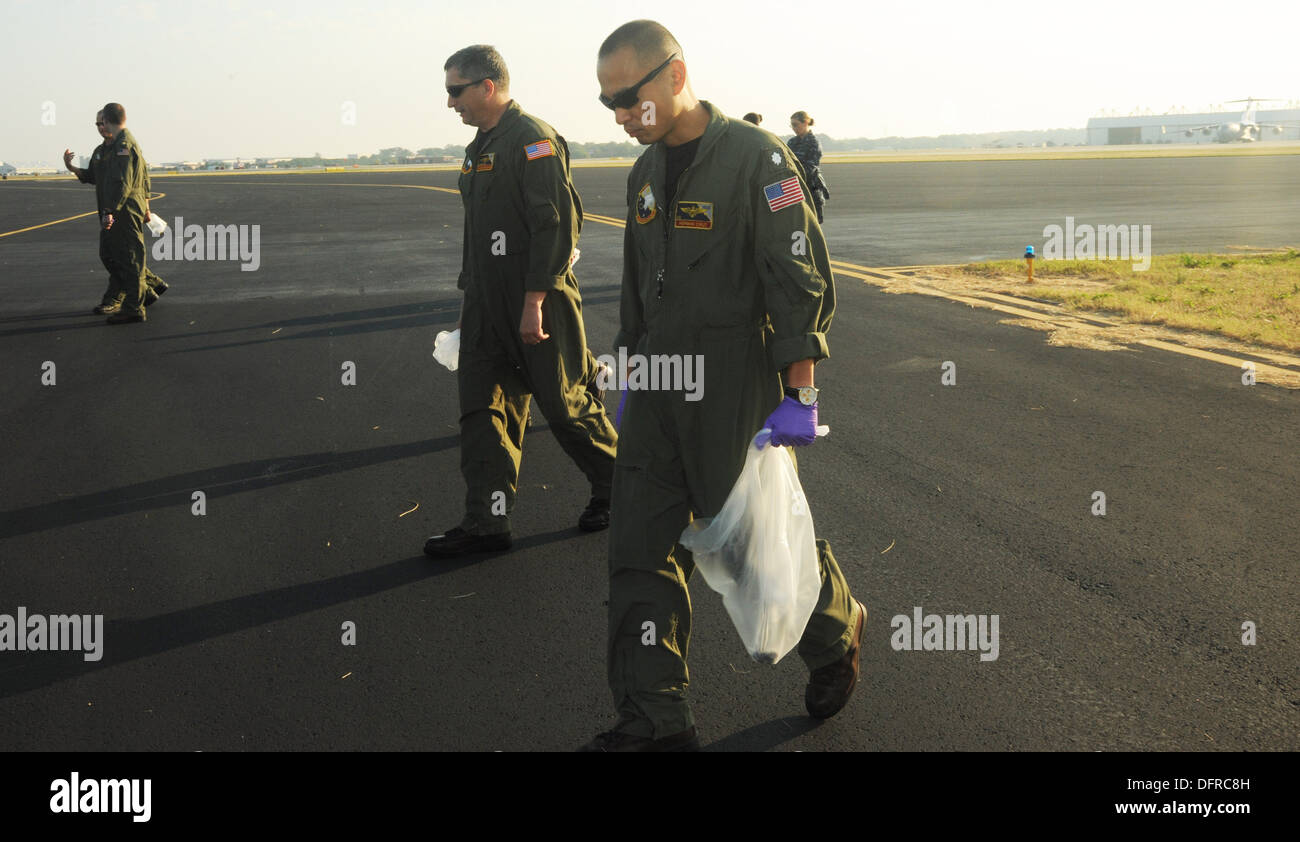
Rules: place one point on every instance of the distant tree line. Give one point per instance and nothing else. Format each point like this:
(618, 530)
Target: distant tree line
(436, 154)
(1036, 137)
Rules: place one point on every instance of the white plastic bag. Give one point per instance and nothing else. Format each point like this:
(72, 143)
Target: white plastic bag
(446, 348)
(760, 553)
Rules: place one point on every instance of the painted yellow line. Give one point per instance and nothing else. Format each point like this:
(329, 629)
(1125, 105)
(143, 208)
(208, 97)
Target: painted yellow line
(595, 217)
(1263, 371)
(47, 224)
(1260, 368)
(342, 184)
(608, 220)
(586, 163)
(67, 219)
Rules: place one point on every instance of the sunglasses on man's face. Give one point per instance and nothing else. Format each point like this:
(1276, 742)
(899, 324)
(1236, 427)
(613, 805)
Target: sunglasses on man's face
(454, 91)
(629, 97)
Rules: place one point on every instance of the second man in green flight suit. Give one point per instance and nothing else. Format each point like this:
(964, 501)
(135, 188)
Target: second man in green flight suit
(521, 319)
(96, 172)
(123, 201)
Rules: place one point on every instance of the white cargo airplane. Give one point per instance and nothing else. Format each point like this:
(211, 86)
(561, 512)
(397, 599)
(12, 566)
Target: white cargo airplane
(1246, 129)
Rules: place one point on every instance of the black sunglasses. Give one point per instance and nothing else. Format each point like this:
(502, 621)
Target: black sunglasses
(454, 91)
(628, 97)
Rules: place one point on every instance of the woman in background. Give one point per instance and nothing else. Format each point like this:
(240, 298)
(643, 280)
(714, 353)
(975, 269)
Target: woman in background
(808, 150)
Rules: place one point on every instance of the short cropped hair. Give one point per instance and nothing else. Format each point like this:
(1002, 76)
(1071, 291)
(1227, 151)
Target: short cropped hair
(480, 62)
(653, 43)
(114, 113)
(754, 117)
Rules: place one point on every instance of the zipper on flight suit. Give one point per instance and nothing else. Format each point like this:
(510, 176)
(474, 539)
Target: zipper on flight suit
(668, 227)
(664, 264)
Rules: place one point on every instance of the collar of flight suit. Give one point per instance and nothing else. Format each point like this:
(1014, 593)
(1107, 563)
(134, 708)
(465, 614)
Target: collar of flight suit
(123, 136)
(511, 116)
(712, 132)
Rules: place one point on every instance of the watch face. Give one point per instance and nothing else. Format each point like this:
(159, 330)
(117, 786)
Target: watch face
(807, 395)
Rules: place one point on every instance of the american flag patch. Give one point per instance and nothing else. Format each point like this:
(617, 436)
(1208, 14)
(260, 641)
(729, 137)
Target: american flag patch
(540, 149)
(783, 194)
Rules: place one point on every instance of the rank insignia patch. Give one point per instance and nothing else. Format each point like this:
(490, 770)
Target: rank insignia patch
(540, 149)
(485, 162)
(645, 205)
(693, 215)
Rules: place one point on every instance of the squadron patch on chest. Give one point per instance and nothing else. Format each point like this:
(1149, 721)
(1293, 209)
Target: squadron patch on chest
(485, 162)
(645, 204)
(693, 215)
(465, 167)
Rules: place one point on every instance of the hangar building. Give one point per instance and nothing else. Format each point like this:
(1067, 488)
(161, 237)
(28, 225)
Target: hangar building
(1171, 128)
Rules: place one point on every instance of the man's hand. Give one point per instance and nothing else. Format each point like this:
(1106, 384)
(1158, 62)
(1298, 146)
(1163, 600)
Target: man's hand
(108, 221)
(147, 216)
(793, 423)
(67, 160)
(530, 326)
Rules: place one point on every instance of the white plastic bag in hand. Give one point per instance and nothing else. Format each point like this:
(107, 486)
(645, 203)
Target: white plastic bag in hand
(446, 348)
(760, 553)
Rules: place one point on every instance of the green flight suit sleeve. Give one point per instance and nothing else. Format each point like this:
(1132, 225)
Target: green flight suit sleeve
(793, 264)
(553, 214)
(122, 173)
(631, 321)
(86, 175)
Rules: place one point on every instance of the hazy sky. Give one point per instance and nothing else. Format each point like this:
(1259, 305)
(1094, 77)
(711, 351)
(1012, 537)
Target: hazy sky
(221, 79)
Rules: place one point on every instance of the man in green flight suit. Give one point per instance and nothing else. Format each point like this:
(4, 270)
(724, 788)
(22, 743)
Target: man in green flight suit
(723, 258)
(112, 299)
(521, 319)
(123, 206)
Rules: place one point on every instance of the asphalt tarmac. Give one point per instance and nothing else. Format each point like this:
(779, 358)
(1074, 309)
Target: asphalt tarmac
(223, 632)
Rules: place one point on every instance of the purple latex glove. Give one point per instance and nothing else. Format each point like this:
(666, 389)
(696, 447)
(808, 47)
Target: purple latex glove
(618, 414)
(793, 423)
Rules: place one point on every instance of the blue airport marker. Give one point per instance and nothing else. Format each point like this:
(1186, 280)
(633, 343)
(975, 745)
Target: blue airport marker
(1029, 261)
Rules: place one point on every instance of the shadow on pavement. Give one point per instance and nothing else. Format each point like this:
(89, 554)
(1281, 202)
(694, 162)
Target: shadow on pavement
(423, 308)
(214, 482)
(767, 736)
(88, 320)
(129, 640)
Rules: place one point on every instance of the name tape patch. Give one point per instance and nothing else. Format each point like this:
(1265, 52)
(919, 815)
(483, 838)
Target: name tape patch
(693, 215)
